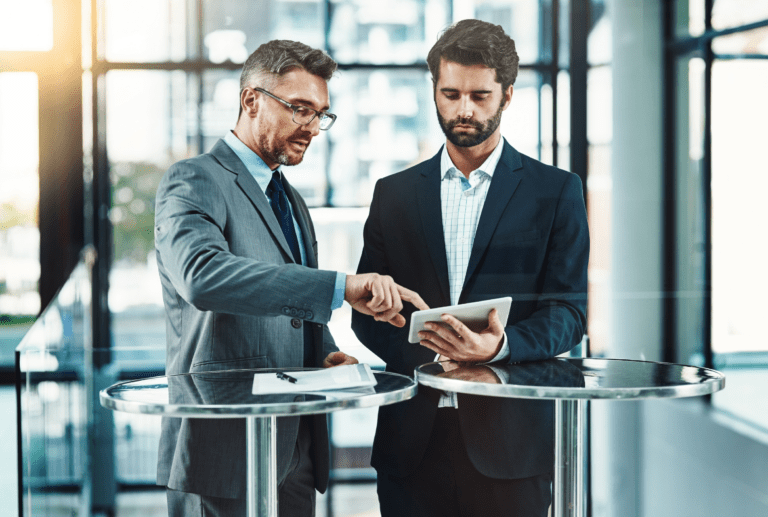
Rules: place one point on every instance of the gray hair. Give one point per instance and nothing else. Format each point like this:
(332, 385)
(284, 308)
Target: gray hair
(273, 59)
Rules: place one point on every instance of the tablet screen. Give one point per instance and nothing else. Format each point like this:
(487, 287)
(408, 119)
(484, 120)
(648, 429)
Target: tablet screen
(474, 315)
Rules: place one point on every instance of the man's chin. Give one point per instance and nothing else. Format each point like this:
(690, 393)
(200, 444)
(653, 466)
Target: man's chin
(466, 140)
(290, 159)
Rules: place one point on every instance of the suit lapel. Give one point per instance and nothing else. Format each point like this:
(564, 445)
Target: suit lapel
(431, 215)
(229, 160)
(302, 217)
(506, 177)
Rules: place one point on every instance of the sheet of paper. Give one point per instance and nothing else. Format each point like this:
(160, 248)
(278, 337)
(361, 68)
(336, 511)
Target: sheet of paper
(327, 379)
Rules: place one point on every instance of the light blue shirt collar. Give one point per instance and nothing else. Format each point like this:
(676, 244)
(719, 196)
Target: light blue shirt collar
(263, 175)
(252, 161)
(488, 166)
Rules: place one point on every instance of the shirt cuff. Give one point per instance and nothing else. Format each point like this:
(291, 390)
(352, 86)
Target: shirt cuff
(504, 352)
(339, 291)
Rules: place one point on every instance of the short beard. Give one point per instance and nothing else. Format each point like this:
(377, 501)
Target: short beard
(484, 129)
(277, 154)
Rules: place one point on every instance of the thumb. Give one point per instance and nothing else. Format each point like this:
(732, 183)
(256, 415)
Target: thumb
(495, 322)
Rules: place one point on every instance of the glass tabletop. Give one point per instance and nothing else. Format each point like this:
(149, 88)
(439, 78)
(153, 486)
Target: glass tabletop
(227, 394)
(573, 378)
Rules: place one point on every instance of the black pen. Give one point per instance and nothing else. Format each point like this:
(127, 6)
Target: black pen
(285, 377)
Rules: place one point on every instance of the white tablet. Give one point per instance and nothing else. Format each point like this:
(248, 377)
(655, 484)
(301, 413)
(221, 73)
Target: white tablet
(474, 315)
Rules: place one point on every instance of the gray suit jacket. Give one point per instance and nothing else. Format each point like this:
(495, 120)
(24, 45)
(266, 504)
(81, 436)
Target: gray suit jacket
(234, 298)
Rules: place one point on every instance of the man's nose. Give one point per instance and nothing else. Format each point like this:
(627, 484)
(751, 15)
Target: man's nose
(465, 108)
(313, 127)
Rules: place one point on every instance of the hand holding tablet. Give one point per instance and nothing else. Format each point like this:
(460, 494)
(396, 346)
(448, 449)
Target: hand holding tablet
(474, 315)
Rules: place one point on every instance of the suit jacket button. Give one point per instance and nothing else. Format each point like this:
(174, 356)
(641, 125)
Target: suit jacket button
(302, 314)
(295, 323)
(310, 315)
(286, 311)
(294, 312)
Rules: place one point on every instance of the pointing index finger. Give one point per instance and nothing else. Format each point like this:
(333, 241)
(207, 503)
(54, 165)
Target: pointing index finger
(413, 297)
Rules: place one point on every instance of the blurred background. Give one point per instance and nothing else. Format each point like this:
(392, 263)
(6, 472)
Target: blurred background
(660, 107)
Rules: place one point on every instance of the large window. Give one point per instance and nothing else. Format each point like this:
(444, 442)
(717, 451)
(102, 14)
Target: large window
(169, 89)
(718, 54)
(19, 197)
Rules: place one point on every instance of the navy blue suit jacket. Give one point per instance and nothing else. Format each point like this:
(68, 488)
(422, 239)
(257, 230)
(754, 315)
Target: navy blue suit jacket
(532, 243)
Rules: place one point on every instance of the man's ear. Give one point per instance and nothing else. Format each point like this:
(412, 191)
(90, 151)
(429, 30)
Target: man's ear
(248, 102)
(508, 97)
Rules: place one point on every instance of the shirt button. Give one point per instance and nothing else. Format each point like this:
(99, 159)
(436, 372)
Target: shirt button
(296, 323)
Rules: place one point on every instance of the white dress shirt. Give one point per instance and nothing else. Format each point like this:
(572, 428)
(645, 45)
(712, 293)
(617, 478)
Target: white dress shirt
(462, 203)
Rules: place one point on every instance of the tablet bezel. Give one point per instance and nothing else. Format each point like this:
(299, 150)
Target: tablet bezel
(465, 312)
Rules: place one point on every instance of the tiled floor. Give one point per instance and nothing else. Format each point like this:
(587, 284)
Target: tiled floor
(348, 501)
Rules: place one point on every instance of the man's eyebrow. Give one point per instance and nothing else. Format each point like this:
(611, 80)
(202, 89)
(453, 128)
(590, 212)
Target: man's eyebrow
(307, 103)
(455, 90)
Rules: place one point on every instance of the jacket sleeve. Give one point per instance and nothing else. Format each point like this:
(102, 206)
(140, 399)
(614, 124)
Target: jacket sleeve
(194, 256)
(559, 321)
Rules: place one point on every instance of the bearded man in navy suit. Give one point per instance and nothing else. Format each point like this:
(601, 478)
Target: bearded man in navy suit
(477, 221)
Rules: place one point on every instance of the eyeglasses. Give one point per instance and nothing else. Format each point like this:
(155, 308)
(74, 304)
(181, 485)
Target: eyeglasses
(303, 115)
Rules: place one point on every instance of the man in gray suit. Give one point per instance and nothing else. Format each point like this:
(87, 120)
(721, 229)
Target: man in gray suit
(237, 256)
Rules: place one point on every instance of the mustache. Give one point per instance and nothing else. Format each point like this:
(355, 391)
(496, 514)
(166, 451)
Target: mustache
(451, 124)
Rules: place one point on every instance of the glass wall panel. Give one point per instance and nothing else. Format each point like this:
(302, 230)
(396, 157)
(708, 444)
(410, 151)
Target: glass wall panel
(19, 199)
(690, 234)
(564, 120)
(754, 42)
(386, 123)
(599, 192)
(600, 38)
(689, 18)
(564, 34)
(546, 154)
(520, 19)
(150, 125)
(233, 29)
(521, 121)
(26, 25)
(147, 30)
(732, 13)
(739, 211)
(371, 31)
(220, 107)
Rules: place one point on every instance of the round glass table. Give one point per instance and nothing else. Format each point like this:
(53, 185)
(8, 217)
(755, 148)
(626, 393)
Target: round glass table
(570, 382)
(234, 399)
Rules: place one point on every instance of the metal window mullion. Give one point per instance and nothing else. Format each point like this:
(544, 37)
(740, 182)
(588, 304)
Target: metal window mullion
(554, 70)
(579, 30)
(100, 194)
(669, 182)
(707, 192)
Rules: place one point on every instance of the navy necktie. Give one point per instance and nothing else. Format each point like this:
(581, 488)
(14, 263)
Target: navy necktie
(279, 200)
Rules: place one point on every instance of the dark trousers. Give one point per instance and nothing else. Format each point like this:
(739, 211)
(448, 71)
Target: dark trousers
(296, 494)
(446, 484)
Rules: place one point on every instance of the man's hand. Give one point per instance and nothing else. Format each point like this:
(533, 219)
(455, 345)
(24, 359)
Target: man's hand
(457, 342)
(474, 373)
(338, 359)
(379, 296)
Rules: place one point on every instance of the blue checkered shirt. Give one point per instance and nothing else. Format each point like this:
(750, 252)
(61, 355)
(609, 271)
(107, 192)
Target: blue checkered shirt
(462, 203)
